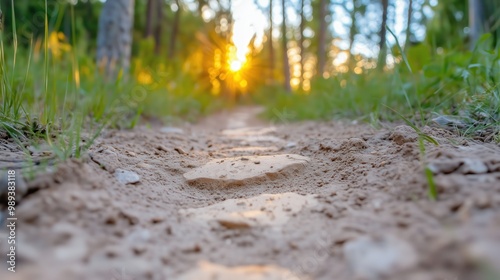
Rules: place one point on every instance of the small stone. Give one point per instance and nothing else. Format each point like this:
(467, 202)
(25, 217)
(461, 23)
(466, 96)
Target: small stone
(473, 166)
(143, 165)
(126, 176)
(233, 224)
(180, 151)
(290, 145)
(375, 258)
(130, 153)
(444, 167)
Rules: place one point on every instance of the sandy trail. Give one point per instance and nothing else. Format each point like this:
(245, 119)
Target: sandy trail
(313, 200)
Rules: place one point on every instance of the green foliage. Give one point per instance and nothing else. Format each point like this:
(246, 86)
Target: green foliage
(461, 83)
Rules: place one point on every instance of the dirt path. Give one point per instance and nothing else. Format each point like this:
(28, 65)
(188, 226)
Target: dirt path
(314, 200)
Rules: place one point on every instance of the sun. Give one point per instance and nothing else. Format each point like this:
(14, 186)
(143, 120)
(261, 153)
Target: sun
(235, 65)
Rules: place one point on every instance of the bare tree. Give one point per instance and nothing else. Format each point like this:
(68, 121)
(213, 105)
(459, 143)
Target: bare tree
(323, 11)
(114, 39)
(383, 32)
(286, 64)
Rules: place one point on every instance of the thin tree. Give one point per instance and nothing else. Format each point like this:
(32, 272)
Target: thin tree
(158, 26)
(301, 41)
(286, 65)
(148, 31)
(353, 30)
(408, 24)
(114, 38)
(476, 21)
(175, 30)
(323, 11)
(271, 45)
(383, 32)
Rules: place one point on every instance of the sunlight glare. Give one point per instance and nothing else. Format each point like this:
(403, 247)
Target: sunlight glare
(235, 65)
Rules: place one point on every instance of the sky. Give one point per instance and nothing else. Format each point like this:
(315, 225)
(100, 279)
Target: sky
(250, 20)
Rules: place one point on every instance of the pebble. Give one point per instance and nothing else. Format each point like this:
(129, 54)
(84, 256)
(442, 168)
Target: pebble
(379, 257)
(473, 166)
(126, 176)
(444, 167)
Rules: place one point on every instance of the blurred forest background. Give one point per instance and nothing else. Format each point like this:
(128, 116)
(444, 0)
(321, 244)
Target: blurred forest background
(357, 59)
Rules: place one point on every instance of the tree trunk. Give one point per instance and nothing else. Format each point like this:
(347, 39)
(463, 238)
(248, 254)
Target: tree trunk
(383, 32)
(175, 30)
(352, 34)
(323, 6)
(476, 21)
(149, 18)
(286, 64)
(408, 24)
(301, 42)
(271, 45)
(114, 39)
(158, 25)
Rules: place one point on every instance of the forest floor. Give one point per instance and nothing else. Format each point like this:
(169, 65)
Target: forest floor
(234, 197)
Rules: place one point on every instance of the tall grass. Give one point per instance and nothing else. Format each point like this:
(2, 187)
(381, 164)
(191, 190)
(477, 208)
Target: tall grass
(52, 92)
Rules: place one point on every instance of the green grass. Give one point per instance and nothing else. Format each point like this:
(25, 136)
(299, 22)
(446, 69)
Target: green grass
(52, 91)
(458, 83)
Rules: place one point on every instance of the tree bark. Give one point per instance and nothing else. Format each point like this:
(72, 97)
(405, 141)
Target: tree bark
(323, 6)
(175, 30)
(149, 18)
(476, 21)
(286, 64)
(352, 34)
(301, 42)
(271, 45)
(114, 39)
(158, 26)
(383, 32)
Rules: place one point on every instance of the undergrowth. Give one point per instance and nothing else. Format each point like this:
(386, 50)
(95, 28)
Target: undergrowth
(462, 84)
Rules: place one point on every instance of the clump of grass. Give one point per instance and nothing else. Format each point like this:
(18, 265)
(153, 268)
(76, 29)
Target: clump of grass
(50, 90)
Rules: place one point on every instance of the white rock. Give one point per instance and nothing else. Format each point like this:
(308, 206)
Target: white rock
(291, 145)
(473, 166)
(126, 176)
(243, 169)
(263, 210)
(211, 271)
(375, 258)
